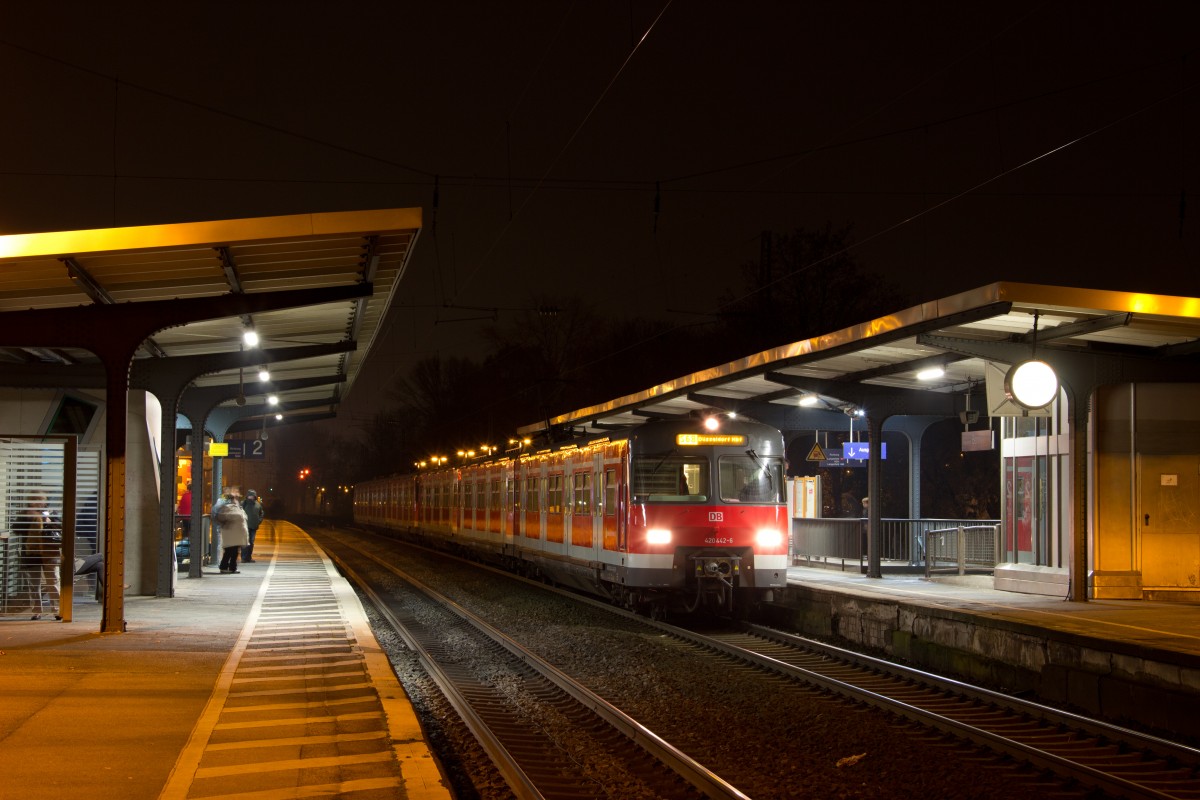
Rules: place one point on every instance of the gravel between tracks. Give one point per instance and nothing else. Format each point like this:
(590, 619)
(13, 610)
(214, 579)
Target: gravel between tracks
(770, 737)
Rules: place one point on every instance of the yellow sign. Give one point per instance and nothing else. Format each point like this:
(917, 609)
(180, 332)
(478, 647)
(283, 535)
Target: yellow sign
(218, 448)
(816, 454)
(696, 439)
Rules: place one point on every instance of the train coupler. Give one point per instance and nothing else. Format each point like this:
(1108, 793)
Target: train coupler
(717, 568)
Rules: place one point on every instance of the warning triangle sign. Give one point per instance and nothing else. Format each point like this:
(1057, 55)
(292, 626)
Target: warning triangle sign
(816, 454)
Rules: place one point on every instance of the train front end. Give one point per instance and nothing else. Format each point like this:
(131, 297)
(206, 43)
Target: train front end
(708, 522)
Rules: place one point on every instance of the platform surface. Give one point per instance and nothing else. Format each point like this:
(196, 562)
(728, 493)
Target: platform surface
(267, 683)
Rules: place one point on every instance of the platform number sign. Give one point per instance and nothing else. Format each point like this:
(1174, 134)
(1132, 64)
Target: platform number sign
(254, 449)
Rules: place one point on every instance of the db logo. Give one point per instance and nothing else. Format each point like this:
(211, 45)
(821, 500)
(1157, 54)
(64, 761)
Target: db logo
(716, 516)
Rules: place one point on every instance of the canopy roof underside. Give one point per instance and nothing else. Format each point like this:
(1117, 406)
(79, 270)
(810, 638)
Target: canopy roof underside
(891, 350)
(128, 266)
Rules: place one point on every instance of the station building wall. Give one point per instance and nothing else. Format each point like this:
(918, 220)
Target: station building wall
(1146, 492)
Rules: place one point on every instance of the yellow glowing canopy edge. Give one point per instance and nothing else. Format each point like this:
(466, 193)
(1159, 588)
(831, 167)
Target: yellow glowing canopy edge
(182, 234)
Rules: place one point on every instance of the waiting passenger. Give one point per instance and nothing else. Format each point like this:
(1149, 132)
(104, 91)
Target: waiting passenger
(41, 550)
(234, 533)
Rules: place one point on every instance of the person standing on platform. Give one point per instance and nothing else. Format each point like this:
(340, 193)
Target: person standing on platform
(41, 550)
(184, 511)
(254, 517)
(231, 518)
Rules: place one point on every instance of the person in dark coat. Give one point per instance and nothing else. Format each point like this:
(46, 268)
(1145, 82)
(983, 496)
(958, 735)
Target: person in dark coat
(254, 518)
(40, 537)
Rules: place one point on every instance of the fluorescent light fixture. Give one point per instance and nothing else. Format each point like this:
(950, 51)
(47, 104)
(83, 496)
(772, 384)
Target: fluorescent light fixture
(809, 400)
(933, 373)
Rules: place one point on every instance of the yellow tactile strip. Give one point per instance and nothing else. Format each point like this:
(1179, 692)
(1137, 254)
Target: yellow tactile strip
(307, 705)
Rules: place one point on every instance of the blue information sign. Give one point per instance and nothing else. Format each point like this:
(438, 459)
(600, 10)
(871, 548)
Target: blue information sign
(860, 451)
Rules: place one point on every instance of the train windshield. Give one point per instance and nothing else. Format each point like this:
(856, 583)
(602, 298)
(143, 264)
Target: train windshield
(751, 478)
(670, 478)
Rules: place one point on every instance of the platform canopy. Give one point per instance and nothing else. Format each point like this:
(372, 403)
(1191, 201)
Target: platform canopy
(297, 281)
(966, 336)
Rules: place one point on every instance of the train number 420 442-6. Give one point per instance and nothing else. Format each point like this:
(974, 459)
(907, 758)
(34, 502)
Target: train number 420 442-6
(718, 540)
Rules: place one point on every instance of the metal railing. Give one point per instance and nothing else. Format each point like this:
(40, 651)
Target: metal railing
(843, 541)
(955, 550)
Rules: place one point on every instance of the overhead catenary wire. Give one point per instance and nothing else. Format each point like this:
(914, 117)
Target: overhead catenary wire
(486, 257)
(581, 366)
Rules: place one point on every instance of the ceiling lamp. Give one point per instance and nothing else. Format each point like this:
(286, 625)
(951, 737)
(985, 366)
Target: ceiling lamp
(250, 337)
(1031, 384)
(264, 374)
(809, 400)
(931, 374)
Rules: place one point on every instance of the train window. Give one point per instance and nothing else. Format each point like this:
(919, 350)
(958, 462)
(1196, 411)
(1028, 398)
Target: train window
(751, 479)
(610, 492)
(583, 492)
(494, 500)
(554, 494)
(670, 479)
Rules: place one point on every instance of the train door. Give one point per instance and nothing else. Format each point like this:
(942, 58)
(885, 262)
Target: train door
(582, 517)
(623, 499)
(512, 498)
(495, 509)
(609, 518)
(597, 489)
(453, 492)
(522, 508)
(533, 500)
(554, 501)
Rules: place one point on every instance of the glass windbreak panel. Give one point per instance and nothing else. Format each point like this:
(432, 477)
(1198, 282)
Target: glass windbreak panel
(751, 479)
(670, 479)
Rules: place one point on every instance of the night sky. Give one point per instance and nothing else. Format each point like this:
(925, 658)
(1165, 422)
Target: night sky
(632, 150)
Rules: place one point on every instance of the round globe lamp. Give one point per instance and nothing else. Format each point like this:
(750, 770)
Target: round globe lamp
(1031, 384)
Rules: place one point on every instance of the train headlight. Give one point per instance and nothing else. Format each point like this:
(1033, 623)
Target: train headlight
(768, 538)
(658, 536)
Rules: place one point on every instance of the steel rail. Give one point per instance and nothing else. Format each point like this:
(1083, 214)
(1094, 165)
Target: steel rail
(697, 775)
(1053, 716)
(1058, 764)
(522, 785)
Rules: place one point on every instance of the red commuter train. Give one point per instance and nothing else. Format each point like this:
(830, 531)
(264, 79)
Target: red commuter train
(672, 514)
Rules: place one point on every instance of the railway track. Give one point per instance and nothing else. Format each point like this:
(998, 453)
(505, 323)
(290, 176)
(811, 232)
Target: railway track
(1115, 760)
(547, 734)
(1064, 754)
